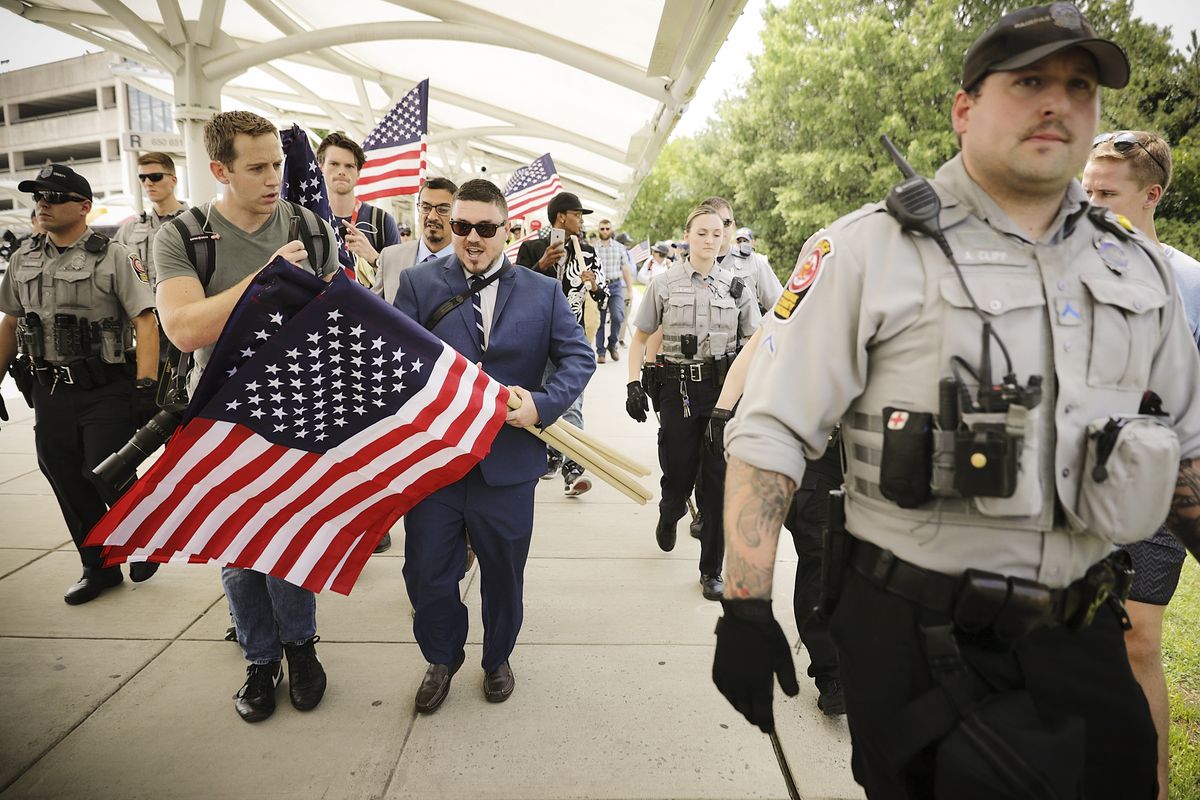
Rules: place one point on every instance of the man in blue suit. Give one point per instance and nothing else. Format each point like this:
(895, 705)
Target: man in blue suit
(513, 325)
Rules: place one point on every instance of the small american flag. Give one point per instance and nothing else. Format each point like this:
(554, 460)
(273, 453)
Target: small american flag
(323, 416)
(640, 252)
(531, 187)
(304, 184)
(396, 149)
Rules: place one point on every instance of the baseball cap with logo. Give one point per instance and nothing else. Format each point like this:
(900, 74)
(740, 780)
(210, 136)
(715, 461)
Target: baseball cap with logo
(662, 248)
(1028, 35)
(564, 202)
(57, 178)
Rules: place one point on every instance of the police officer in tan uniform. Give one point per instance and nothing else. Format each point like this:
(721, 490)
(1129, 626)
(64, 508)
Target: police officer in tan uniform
(72, 302)
(989, 363)
(156, 174)
(706, 315)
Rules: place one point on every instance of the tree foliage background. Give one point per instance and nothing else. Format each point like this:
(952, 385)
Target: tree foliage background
(799, 146)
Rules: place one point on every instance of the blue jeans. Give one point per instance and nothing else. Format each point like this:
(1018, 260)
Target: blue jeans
(268, 612)
(616, 315)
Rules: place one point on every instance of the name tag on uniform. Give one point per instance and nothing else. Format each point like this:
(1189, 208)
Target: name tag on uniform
(1068, 310)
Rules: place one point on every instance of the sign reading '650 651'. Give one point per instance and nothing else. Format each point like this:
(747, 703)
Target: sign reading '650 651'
(152, 140)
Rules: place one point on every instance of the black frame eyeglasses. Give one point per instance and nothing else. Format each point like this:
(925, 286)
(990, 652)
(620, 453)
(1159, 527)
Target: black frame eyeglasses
(153, 177)
(443, 209)
(486, 230)
(1125, 141)
(57, 198)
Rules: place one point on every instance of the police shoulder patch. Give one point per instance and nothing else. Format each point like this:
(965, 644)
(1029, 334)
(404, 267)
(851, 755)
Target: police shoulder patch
(139, 269)
(804, 277)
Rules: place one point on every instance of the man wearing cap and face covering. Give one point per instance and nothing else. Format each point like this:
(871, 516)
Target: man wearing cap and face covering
(753, 269)
(978, 627)
(73, 299)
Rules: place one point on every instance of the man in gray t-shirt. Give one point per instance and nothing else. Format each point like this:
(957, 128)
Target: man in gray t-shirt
(273, 618)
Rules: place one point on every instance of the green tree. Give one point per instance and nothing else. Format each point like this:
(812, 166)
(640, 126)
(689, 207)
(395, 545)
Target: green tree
(799, 146)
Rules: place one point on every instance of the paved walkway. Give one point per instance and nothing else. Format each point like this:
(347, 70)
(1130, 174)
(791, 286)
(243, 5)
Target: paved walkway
(129, 696)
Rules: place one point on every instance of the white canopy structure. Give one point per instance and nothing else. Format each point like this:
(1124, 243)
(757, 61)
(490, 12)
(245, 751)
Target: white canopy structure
(599, 85)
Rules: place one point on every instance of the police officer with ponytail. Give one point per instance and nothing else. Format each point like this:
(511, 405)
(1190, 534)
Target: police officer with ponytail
(72, 302)
(706, 316)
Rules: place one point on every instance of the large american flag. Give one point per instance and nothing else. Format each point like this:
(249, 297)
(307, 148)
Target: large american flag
(396, 149)
(531, 187)
(304, 184)
(322, 417)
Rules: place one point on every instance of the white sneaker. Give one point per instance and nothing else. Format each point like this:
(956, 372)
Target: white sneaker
(577, 487)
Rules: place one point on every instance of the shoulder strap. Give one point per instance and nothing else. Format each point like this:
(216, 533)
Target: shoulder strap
(454, 302)
(378, 240)
(198, 241)
(312, 236)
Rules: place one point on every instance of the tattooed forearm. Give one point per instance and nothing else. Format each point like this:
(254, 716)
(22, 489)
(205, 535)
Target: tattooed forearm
(756, 502)
(1184, 519)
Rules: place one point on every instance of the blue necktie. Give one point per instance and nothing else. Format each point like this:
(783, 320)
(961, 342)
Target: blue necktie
(478, 304)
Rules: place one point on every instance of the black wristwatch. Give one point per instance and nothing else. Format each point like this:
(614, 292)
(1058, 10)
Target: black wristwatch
(144, 383)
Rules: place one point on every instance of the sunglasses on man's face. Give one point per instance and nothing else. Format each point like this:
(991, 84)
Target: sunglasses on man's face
(57, 198)
(486, 230)
(153, 177)
(728, 223)
(1123, 143)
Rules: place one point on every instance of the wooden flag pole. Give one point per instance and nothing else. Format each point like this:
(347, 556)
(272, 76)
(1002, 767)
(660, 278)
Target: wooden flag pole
(623, 461)
(604, 469)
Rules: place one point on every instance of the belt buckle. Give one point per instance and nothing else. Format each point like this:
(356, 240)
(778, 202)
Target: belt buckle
(694, 372)
(65, 375)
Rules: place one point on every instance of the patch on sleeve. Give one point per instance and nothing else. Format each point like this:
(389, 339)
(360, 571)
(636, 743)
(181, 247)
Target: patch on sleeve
(139, 269)
(804, 277)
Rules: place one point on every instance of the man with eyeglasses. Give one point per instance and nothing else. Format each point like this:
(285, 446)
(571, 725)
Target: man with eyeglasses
(513, 322)
(156, 176)
(574, 264)
(1129, 172)
(72, 301)
(975, 590)
(433, 204)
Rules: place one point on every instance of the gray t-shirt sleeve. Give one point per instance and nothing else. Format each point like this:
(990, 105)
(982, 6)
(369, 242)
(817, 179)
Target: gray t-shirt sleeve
(170, 257)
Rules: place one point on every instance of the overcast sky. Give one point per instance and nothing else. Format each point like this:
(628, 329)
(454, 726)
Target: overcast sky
(26, 44)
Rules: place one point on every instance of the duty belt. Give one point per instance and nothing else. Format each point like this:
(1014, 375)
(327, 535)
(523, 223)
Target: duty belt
(689, 372)
(89, 373)
(990, 605)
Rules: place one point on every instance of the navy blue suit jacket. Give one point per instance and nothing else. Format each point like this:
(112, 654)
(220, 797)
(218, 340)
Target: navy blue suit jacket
(531, 325)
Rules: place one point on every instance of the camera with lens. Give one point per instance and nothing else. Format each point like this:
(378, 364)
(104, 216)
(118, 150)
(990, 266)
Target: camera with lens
(119, 470)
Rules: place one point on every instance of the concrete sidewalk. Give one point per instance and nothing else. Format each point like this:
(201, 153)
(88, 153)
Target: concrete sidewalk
(129, 696)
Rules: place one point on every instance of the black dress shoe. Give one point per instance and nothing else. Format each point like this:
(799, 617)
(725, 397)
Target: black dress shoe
(306, 676)
(665, 534)
(712, 586)
(436, 685)
(255, 701)
(385, 544)
(142, 570)
(94, 581)
(499, 684)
